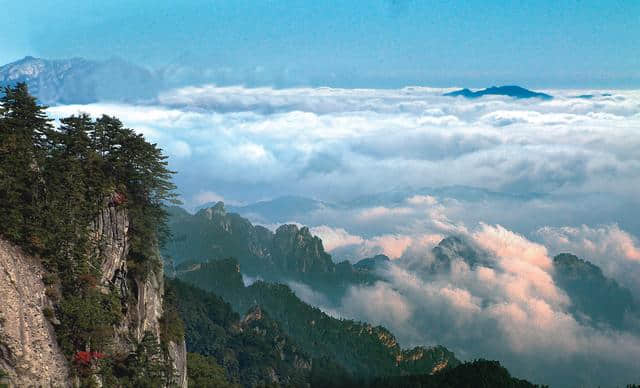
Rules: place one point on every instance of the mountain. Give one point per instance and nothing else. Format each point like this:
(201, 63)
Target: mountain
(212, 234)
(291, 253)
(459, 192)
(595, 298)
(361, 349)
(591, 96)
(81, 81)
(251, 348)
(476, 374)
(457, 248)
(509, 90)
(301, 209)
(371, 264)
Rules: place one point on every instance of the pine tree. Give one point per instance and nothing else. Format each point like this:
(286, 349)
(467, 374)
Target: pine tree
(24, 143)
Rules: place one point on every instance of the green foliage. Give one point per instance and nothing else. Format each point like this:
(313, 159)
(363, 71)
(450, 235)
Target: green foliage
(249, 350)
(87, 320)
(23, 132)
(204, 372)
(49, 279)
(146, 367)
(327, 373)
(53, 184)
(3, 375)
(48, 313)
(363, 350)
(171, 325)
(476, 374)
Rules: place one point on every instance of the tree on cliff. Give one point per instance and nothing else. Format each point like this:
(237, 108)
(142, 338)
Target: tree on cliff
(54, 181)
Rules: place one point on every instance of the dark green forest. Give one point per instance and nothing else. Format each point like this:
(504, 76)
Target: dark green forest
(244, 354)
(360, 348)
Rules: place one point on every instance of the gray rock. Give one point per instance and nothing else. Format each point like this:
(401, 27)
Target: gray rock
(29, 351)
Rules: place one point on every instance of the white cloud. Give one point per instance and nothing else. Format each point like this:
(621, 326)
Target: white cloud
(359, 141)
(207, 196)
(333, 238)
(511, 311)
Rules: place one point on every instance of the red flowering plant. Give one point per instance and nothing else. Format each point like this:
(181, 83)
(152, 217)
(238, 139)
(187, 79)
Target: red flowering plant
(86, 358)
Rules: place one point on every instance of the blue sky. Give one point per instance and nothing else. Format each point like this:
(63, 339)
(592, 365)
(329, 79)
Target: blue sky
(379, 43)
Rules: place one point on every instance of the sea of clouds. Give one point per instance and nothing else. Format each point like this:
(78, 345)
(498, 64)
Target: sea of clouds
(530, 179)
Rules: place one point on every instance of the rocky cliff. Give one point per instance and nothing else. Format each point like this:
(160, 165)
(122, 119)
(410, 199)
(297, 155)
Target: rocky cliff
(295, 249)
(29, 352)
(142, 297)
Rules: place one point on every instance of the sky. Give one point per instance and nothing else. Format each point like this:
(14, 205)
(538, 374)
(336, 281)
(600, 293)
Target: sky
(373, 43)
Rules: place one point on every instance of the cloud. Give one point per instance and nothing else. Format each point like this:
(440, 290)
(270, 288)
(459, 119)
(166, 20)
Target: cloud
(207, 196)
(420, 222)
(390, 245)
(510, 310)
(360, 141)
(335, 238)
(507, 245)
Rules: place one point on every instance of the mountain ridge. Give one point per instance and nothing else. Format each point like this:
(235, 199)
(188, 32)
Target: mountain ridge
(81, 81)
(507, 90)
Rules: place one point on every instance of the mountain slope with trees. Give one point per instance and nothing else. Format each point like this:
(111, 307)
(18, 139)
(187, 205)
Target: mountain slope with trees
(362, 349)
(86, 200)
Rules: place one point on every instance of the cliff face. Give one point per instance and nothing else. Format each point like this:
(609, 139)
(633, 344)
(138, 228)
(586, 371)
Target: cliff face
(29, 352)
(110, 235)
(299, 251)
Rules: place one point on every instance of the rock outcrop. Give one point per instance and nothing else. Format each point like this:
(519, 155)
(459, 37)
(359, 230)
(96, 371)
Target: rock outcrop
(109, 232)
(29, 352)
(297, 250)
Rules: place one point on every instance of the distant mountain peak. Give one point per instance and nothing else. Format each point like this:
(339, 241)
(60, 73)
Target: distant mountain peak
(514, 91)
(372, 263)
(81, 81)
(457, 248)
(595, 297)
(571, 265)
